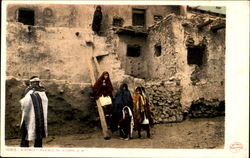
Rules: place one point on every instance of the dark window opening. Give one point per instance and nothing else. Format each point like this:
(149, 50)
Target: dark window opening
(138, 17)
(157, 50)
(195, 55)
(157, 17)
(99, 58)
(118, 22)
(26, 16)
(133, 50)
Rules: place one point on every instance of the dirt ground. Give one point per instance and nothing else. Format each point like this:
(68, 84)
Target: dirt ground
(202, 133)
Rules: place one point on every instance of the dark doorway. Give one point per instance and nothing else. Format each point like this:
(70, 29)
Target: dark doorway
(157, 50)
(26, 16)
(195, 55)
(133, 50)
(138, 17)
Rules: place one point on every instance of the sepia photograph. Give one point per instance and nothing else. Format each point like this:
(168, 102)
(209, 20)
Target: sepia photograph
(92, 76)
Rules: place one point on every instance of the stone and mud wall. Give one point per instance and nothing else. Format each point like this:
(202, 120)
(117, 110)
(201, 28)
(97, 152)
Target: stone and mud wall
(203, 82)
(55, 49)
(71, 108)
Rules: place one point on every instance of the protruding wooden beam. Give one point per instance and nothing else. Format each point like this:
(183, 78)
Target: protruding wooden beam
(200, 26)
(215, 28)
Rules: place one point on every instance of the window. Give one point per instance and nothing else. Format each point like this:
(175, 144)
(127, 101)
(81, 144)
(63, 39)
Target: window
(195, 55)
(26, 16)
(118, 22)
(133, 50)
(138, 17)
(157, 50)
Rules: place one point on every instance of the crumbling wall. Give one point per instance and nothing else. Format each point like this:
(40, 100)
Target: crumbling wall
(175, 34)
(207, 80)
(70, 110)
(58, 56)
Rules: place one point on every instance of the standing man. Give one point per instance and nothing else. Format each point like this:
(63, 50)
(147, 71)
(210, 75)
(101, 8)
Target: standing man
(97, 20)
(34, 107)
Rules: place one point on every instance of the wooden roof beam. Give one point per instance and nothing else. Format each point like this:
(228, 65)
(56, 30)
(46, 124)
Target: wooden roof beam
(200, 26)
(215, 28)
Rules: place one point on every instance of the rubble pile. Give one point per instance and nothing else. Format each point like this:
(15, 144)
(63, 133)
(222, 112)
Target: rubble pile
(164, 98)
(207, 108)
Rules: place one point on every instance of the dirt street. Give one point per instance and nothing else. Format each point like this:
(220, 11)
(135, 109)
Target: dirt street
(203, 133)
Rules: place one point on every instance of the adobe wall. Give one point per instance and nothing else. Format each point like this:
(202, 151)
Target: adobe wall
(163, 66)
(56, 15)
(71, 108)
(62, 15)
(59, 38)
(43, 51)
(55, 49)
(206, 81)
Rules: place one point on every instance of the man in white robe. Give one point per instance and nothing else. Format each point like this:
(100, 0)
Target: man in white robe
(34, 107)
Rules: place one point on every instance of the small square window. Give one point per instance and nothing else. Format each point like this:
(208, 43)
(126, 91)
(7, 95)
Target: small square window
(133, 50)
(26, 16)
(195, 55)
(118, 22)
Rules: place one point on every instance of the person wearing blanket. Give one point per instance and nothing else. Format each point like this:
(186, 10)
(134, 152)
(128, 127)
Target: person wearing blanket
(34, 106)
(142, 111)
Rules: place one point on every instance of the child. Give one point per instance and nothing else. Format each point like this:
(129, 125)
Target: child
(126, 123)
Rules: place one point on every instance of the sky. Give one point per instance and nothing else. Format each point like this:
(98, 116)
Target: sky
(215, 9)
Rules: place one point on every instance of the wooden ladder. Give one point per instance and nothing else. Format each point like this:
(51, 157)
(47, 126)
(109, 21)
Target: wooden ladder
(89, 59)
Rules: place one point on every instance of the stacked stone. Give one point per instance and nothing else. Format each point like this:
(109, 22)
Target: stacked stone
(207, 108)
(164, 98)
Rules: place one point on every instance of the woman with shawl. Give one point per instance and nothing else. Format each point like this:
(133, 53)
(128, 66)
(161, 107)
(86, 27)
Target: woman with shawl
(142, 111)
(103, 87)
(122, 98)
(97, 19)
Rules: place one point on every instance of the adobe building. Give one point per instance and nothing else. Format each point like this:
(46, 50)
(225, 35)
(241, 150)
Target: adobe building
(176, 52)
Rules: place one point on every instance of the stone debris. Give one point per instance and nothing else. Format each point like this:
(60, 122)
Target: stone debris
(207, 108)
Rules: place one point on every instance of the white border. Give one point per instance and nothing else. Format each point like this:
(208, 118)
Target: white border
(236, 81)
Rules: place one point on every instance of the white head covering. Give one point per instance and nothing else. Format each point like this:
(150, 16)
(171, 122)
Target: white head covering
(35, 79)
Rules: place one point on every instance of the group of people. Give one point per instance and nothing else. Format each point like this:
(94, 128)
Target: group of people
(127, 112)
